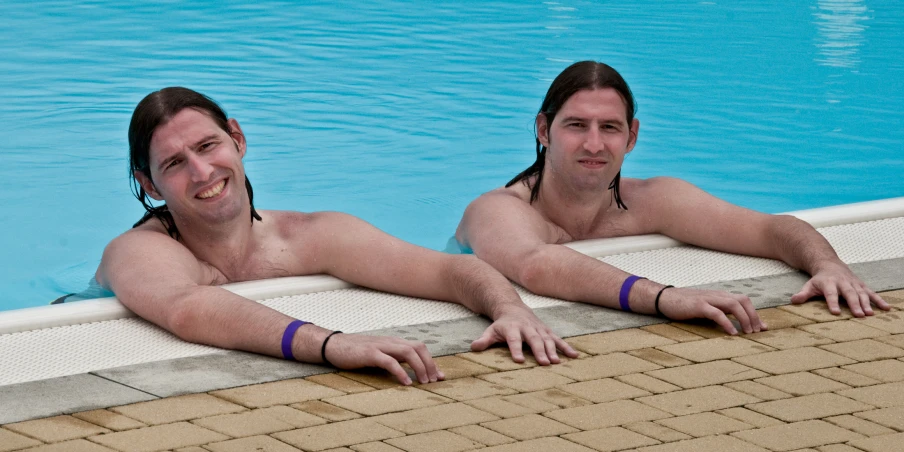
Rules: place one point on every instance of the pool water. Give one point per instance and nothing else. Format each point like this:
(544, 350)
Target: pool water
(402, 112)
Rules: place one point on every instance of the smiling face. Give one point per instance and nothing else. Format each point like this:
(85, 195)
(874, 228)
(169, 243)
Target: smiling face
(588, 139)
(196, 168)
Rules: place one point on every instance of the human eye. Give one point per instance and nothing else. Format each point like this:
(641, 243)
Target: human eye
(172, 164)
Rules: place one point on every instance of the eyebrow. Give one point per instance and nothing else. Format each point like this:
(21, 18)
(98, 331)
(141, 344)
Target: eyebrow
(578, 118)
(178, 154)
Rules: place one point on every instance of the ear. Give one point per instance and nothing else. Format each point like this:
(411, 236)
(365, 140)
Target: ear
(632, 138)
(235, 131)
(147, 185)
(542, 129)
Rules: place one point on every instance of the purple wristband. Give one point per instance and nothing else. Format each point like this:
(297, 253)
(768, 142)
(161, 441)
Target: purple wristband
(287, 338)
(626, 290)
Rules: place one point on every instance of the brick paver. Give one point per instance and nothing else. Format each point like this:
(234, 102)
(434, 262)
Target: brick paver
(813, 383)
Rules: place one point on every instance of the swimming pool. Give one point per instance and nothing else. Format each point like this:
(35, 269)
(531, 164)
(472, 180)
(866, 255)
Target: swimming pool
(401, 113)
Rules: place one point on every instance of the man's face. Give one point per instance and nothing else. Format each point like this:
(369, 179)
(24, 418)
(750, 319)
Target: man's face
(196, 167)
(588, 139)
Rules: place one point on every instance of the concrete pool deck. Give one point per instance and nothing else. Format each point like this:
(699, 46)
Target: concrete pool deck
(813, 382)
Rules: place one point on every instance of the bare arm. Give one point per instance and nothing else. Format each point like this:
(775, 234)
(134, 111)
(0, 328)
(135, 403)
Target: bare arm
(733, 229)
(161, 281)
(364, 255)
(514, 238)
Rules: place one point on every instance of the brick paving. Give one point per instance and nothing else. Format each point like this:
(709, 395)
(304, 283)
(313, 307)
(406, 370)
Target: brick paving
(813, 382)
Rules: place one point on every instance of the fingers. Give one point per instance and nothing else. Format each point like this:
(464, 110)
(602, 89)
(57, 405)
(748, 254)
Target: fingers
(392, 366)
(565, 347)
(875, 298)
(484, 341)
(807, 292)
(716, 315)
(737, 309)
(514, 344)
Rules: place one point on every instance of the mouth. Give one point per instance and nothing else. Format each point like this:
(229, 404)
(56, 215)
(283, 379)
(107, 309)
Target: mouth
(593, 164)
(212, 191)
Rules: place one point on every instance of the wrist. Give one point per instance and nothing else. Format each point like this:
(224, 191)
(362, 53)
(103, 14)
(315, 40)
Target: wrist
(307, 342)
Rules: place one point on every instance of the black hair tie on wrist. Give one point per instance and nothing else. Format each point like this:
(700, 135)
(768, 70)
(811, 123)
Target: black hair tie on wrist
(323, 348)
(656, 304)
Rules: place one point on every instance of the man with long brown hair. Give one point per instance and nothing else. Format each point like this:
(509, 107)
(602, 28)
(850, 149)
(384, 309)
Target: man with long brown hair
(574, 191)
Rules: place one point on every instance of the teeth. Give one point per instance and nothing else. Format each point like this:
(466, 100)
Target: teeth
(213, 191)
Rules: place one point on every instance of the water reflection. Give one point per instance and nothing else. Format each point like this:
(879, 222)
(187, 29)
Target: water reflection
(840, 24)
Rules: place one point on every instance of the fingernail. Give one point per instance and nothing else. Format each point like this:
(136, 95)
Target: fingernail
(406, 381)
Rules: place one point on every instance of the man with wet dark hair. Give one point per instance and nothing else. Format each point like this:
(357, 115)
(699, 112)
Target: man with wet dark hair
(574, 191)
(186, 152)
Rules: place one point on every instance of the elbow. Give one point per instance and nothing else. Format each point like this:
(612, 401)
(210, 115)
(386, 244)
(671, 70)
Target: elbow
(533, 272)
(181, 320)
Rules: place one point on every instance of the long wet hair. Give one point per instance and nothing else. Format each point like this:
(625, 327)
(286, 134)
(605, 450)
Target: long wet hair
(582, 75)
(153, 111)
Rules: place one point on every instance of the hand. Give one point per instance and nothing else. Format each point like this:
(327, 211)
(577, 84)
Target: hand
(683, 304)
(352, 351)
(518, 324)
(837, 279)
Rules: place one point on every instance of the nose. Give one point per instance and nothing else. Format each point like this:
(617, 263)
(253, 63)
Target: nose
(593, 141)
(200, 168)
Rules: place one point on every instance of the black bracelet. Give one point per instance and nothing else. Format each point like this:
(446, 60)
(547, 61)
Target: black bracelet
(323, 348)
(656, 304)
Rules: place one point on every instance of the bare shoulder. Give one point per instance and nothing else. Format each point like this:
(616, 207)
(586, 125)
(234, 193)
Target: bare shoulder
(656, 192)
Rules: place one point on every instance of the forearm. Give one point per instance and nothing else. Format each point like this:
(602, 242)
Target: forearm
(479, 287)
(800, 245)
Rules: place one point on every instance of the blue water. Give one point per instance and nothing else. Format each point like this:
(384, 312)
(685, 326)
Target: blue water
(402, 112)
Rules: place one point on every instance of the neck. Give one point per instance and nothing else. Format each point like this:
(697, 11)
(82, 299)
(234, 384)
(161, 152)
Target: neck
(223, 245)
(577, 210)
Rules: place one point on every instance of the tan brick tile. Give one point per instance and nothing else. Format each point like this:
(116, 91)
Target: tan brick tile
(375, 446)
(438, 441)
(192, 449)
(337, 434)
(56, 429)
(886, 371)
(807, 407)
(757, 390)
(604, 390)
(865, 350)
(698, 400)
(547, 400)
(797, 435)
(482, 435)
(339, 449)
(240, 425)
(610, 439)
(890, 322)
(816, 311)
(803, 383)
(705, 424)
(718, 443)
(837, 448)
(659, 357)
(291, 416)
(77, 445)
(609, 414)
(13, 441)
(376, 378)
(160, 437)
(750, 417)
(499, 358)
(895, 339)
(882, 443)
(526, 380)
(534, 445)
(656, 431)
(503, 408)
(252, 443)
(671, 332)
(882, 395)
(715, 349)
(467, 388)
(843, 331)
(325, 410)
(845, 376)
(889, 417)
(277, 393)
(434, 418)
(174, 409)
(705, 374)
(793, 360)
(859, 425)
(454, 367)
(531, 426)
(617, 341)
(703, 328)
(778, 319)
(387, 400)
(603, 366)
(340, 383)
(648, 383)
(109, 420)
(788, 338)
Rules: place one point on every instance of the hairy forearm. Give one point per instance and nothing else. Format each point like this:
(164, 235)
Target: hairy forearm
(800, 245)
(480, 288)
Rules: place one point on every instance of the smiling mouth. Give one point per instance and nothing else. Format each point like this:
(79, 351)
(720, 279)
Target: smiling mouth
(213, 191)
(592, 163)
